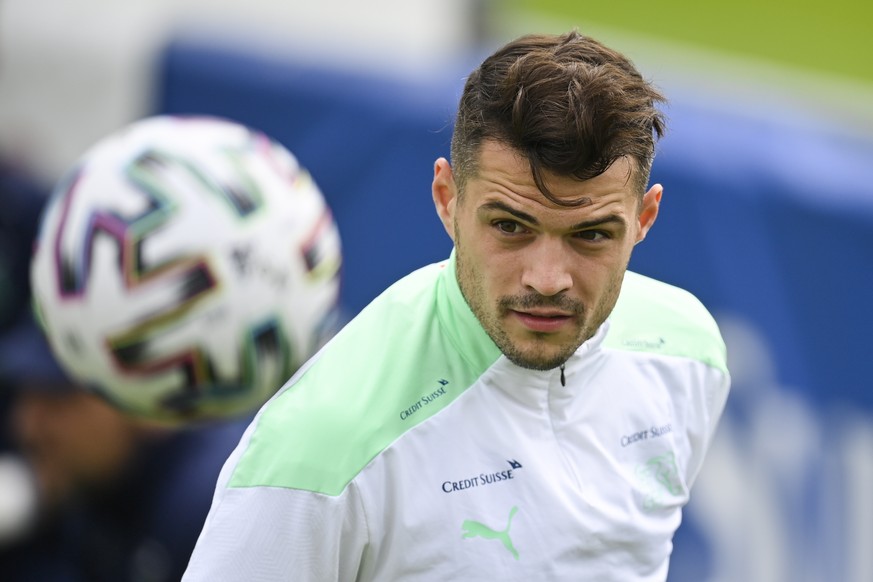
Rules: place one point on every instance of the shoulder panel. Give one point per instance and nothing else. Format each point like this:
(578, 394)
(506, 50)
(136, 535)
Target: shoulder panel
(391, 368)
(652, 316)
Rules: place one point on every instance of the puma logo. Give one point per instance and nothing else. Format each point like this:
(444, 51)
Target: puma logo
(474, 528)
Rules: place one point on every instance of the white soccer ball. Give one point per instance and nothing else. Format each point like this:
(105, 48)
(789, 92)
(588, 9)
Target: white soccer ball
(185, 268)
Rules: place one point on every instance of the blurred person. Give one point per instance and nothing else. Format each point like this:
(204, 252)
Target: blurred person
(117, 499)
(102, 478)
(527, 409)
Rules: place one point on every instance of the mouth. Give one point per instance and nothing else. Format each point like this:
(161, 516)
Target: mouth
(543, 321)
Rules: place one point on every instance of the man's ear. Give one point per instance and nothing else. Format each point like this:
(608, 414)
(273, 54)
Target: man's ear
(445, 194)
(649, 210)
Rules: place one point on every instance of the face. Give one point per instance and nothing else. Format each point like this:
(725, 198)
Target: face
(73, 440)
(540, 277)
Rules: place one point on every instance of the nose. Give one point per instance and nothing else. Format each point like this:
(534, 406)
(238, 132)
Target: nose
(547, 268)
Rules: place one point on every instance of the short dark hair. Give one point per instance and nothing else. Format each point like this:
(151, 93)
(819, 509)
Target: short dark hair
(569, 104)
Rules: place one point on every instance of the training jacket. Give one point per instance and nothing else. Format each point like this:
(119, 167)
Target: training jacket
(410, 448)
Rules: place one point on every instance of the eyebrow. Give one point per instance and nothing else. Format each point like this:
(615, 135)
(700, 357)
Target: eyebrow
(510, 210)
(524, 216)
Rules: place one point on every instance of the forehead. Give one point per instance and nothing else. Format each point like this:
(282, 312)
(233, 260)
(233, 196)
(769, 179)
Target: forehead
(504, 174)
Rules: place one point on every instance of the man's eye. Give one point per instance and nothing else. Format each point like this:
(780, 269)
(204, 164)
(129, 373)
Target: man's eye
(508, 226)
(592, 235)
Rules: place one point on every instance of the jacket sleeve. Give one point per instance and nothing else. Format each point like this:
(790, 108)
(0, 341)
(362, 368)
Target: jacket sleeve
(273, 533)
(706, 407)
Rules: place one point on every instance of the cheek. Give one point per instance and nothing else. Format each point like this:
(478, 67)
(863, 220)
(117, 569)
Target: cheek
(497, 272)
(594, 276)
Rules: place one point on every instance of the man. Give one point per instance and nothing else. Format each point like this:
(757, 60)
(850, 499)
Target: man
(117, 499)
(526, 410)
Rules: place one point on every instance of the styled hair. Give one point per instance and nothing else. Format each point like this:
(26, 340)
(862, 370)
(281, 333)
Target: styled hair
(567, 103)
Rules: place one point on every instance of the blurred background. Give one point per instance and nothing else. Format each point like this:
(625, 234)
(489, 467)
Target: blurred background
(767, 214)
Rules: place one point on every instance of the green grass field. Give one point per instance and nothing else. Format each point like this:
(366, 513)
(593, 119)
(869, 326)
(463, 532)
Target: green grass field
(825, 37)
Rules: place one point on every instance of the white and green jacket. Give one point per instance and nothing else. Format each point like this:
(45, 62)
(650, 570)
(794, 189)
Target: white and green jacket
(409, 448)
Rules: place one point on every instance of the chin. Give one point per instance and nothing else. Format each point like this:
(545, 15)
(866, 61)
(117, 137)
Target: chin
(536, 360)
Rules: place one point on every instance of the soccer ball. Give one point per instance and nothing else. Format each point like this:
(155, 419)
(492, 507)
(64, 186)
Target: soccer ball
(185, 268)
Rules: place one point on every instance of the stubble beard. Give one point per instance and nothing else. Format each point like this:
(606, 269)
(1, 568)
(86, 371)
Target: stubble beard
(543, 355)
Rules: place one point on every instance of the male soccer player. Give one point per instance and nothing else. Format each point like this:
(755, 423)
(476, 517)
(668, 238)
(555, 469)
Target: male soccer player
(527, 409)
